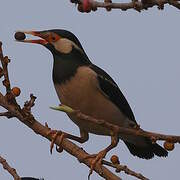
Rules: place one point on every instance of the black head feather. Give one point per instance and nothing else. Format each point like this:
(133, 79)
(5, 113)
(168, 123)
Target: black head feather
(64, 34)
(65, 65)
(68, 35)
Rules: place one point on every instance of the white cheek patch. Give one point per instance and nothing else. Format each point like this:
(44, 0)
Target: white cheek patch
(64, 45)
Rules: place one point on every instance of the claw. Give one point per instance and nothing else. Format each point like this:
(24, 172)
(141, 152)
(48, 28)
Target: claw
(54, 137)
(62, 136)
(97, 160)
(53, 141)
(59, 149)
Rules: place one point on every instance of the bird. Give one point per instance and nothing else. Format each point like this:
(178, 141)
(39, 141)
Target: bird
(82, 85)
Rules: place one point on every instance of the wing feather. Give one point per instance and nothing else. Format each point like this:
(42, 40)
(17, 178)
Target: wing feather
(111, 90)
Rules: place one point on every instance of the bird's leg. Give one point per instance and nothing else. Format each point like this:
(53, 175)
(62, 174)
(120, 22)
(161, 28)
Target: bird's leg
(84, 136)
(99, 157)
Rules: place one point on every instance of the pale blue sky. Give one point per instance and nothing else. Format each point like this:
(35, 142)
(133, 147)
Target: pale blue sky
(139, 50)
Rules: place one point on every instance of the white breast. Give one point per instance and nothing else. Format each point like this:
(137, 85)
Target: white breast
(82, 93)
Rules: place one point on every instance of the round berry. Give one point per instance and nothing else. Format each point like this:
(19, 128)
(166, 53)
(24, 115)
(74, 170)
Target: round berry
(16, 91)
(87, 6)
(19, 36)
(169, 146)
(115, 159)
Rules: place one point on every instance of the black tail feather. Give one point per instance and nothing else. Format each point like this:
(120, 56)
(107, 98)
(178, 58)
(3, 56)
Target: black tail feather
(148, 151)
(159, 151)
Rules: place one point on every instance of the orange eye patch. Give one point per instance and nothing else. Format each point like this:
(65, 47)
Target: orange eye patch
(53, 37)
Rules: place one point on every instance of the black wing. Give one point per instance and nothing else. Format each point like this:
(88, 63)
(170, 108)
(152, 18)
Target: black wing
(110, 88)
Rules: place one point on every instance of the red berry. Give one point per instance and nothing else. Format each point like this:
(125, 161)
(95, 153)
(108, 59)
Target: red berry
(87, 6)
(15, 91)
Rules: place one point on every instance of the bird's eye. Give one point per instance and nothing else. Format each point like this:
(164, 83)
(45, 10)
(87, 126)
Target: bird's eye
(53, 38)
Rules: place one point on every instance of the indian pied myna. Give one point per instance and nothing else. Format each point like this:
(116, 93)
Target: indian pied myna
(83, 86)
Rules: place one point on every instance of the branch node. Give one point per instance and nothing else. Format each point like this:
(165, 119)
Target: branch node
(29, 104)
(136, 5)
(108, 4)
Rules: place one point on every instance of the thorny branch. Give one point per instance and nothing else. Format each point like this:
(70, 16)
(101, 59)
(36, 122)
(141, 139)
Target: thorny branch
(138, 5)
(11, 170)
(25, 116)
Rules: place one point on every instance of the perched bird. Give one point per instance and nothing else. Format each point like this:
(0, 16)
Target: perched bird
(84, 86)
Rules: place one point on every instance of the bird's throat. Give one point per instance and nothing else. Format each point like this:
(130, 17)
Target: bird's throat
(63, 69)
(66, 65)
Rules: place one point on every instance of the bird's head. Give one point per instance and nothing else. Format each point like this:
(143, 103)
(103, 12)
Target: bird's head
(66, 49)
(58, 41)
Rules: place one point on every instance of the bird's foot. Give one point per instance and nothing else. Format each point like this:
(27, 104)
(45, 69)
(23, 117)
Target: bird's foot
(97, 159)
(55, 134)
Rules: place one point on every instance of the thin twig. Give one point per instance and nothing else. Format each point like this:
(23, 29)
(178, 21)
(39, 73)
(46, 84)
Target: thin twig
(7, 114)
(11, 170)
(4, 62)
(134, 4)
(137, 131)
(29, 104)
(124, 168)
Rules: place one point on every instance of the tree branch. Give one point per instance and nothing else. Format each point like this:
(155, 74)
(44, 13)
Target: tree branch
(25, 116)
(88, 5)
(11, 170)
(124, 168)
(136, 131)
(67, 145)
(4, 62)
(28, 119)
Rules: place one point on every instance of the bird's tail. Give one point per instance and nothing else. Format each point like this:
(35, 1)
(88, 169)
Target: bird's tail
(148, 151)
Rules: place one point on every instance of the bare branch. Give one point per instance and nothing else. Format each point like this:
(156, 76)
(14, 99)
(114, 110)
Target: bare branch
(4, 62)
(88, 5)
(7, 114)
(67, 145)
(29, 104)
(124, 168)
(136, 131)
(11, 170)
(25, 116)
